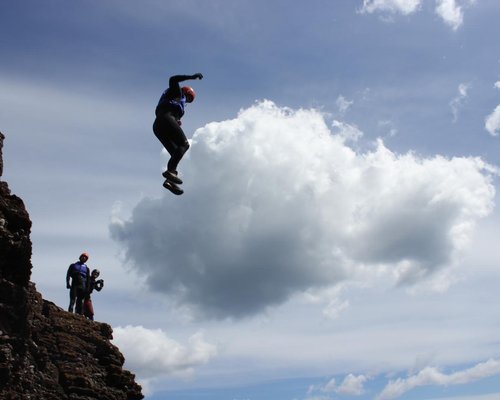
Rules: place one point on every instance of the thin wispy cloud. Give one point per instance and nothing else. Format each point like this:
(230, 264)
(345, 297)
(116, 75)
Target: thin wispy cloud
(432, 376)
(459, 100)
(492, 121)
(343, 104)
(351, 385)
(404, 7)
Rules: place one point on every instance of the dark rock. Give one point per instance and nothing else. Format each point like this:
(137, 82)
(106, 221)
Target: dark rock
(46, 352)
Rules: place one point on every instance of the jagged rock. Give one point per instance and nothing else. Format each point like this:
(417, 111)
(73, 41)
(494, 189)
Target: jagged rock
(46, 352)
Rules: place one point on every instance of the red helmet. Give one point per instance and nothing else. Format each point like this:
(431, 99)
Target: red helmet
(86, 255)
(189, 92)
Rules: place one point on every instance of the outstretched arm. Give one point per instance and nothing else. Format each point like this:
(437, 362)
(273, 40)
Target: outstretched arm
(173, 82)
(181, 78)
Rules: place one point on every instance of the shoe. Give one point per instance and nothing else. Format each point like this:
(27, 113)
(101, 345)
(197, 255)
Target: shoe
(172, 187)
(172, 177)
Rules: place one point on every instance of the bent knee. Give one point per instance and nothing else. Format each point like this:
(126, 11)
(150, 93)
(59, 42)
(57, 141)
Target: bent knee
(185, 146)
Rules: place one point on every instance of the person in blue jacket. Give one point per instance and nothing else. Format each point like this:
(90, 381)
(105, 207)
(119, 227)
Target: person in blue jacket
(79, 274)
(167, 126)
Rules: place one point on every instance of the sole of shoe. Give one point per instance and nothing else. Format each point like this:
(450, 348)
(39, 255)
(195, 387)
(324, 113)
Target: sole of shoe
(173, 188)
(172, 178)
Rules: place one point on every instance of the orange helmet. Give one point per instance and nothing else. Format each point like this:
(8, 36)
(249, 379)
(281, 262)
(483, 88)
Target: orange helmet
(86, 255)
(189, 92)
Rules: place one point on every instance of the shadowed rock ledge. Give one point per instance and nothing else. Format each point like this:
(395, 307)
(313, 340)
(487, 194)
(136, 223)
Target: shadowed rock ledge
(46, 352)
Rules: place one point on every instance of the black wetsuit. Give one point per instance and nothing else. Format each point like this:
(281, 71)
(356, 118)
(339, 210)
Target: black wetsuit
(166, 127)
(88, 308)
(79, 274)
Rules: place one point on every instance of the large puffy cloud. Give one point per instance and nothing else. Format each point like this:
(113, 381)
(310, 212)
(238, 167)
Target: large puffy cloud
(432, 376)
(276, 204)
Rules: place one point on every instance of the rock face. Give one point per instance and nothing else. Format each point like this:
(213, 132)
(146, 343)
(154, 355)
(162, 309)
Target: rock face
(46, 352)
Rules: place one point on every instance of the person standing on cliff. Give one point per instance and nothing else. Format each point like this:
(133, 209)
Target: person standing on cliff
(79, 274)
(97, 284)
(167, 126)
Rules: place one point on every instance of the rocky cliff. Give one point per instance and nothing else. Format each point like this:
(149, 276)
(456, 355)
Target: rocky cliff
(46, 352)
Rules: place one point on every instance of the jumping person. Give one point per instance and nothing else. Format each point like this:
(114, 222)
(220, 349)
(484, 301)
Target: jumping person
(167, 126)
(79, 274)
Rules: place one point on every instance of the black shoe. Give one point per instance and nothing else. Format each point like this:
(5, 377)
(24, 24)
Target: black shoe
(172, 187)
(172, 177)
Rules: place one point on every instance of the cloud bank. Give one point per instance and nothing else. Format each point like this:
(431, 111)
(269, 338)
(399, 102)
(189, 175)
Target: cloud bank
(276, 204)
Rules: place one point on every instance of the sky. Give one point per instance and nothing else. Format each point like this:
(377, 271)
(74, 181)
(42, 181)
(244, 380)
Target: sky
(337, 238)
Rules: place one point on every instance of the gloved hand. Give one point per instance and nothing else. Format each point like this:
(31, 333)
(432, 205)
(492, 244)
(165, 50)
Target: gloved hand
(99, 284)
(198, 76)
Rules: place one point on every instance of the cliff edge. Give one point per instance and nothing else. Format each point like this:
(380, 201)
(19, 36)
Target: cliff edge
(46, 352)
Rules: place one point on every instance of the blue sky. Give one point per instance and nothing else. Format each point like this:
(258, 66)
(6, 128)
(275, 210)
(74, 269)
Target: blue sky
(337, 238)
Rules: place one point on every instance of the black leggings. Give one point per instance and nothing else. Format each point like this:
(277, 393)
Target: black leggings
(171, 135)
(76, 296)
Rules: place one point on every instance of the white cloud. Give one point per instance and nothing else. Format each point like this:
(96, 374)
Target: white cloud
(492, 123)
(343, 104)
(150, 354)
(353, 385)
(329, 387)
(388, 127)
(458, 101)
(347, 131)
(330, 297)
(275, 204)
(490, 396)
(450, 12)
(432, 376)
(404, 7)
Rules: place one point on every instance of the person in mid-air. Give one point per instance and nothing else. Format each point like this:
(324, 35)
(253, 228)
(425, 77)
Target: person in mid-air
(79, 274)
(167, 126)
